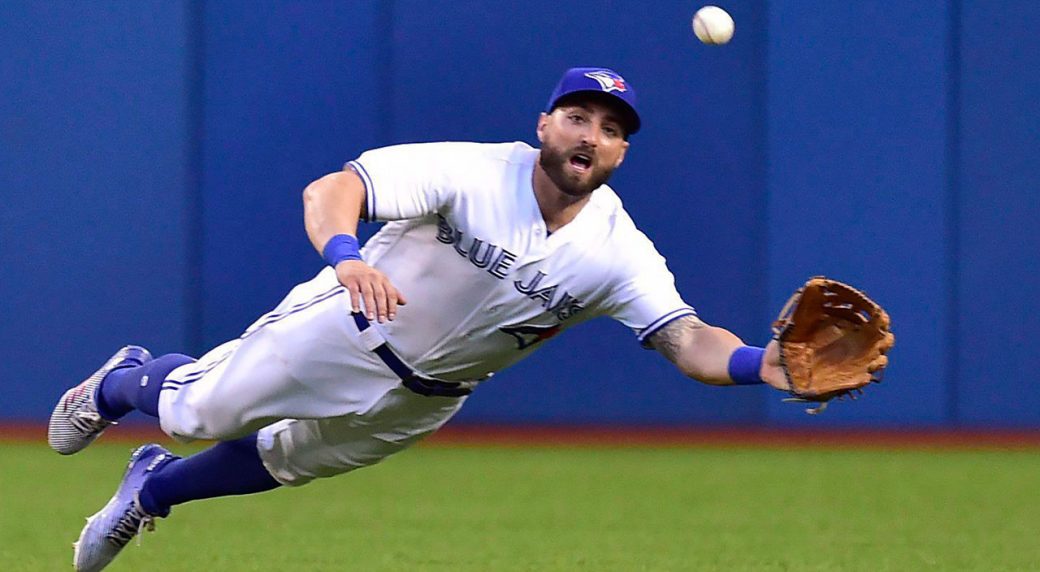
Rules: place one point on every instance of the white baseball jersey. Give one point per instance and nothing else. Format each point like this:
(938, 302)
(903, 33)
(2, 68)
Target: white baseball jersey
(486, 284)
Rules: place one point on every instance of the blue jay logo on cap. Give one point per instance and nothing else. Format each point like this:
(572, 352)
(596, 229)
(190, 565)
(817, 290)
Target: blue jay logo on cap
(602, 81)
(608, 81)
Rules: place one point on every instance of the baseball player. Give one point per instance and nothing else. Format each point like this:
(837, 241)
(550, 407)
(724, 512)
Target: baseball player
(489, 250)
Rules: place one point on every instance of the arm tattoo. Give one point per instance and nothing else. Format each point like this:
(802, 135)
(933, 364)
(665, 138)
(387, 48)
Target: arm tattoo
(671, 339)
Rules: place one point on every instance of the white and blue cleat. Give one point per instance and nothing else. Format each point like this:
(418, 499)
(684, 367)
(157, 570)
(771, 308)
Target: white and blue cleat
(75, 421)
(112, 528)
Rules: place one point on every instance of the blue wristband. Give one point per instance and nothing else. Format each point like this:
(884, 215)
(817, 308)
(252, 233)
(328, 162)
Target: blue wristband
(339, 248)
(745, 365)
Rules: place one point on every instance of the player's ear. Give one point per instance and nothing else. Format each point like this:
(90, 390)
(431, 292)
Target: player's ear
(543, 122)
(621, 156)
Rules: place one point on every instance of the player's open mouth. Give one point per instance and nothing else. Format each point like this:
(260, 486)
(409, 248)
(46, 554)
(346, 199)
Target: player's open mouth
(581, 162)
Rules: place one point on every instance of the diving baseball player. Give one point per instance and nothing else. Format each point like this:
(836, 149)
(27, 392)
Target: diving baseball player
(489, 250)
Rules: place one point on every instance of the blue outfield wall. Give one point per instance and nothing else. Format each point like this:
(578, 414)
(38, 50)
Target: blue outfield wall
(857, 181)
(288, 93)
(997, 206)
(93, 174)
(152, 157)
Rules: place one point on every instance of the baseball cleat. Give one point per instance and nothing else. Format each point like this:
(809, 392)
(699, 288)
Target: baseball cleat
(75, 421)
(112, 527)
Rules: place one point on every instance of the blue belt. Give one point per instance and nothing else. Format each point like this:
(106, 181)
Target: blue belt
(409, 379)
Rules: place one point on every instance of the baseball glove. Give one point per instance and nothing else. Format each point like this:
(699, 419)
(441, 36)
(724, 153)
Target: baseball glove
(832, 340)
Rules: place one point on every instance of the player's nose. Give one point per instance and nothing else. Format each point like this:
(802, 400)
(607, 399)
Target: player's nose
(590, 136)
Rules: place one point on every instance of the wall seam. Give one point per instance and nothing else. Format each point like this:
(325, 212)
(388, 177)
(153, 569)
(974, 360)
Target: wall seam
(953, 187)
(194, 285)
(385, 72)
(764, 211)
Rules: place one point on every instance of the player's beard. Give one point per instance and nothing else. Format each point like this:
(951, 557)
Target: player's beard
(555, 162)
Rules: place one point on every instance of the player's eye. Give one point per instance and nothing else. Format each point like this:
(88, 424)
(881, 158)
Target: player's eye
(577, 118)
(611, 131)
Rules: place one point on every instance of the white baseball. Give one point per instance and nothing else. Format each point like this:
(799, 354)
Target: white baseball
(713, 25)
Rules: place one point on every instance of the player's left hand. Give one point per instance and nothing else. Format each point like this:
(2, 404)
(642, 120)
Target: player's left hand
(772, 372)
(371, 287)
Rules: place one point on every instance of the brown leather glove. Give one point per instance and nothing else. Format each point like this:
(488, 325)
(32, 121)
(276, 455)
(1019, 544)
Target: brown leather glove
(832, 340)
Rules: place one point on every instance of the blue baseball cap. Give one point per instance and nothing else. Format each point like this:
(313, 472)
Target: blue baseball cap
(602, 81)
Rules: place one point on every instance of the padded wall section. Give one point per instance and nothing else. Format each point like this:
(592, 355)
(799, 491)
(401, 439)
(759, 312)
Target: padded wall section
(858, 182)
(999, 264)
(93, 131)
(290, 93)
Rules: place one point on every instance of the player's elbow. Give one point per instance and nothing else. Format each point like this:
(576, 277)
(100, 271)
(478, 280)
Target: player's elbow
(318, 188)
(311, 193)
(338, 184)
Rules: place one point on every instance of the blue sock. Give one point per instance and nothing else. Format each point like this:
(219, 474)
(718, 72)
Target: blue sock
(227, 468)
(129, 388)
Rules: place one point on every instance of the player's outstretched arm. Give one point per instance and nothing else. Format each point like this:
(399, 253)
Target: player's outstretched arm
(332, 206)
(703, 352)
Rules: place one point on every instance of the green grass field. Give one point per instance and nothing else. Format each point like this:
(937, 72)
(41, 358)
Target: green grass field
(488, 509)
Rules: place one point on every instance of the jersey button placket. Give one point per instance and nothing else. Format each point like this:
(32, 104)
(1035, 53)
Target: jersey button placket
(538, 238)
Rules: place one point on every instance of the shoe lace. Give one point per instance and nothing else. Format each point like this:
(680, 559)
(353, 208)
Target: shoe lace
(131, 524)
(88, 420)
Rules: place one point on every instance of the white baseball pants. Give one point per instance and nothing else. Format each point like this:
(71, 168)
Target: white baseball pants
(322, 404)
